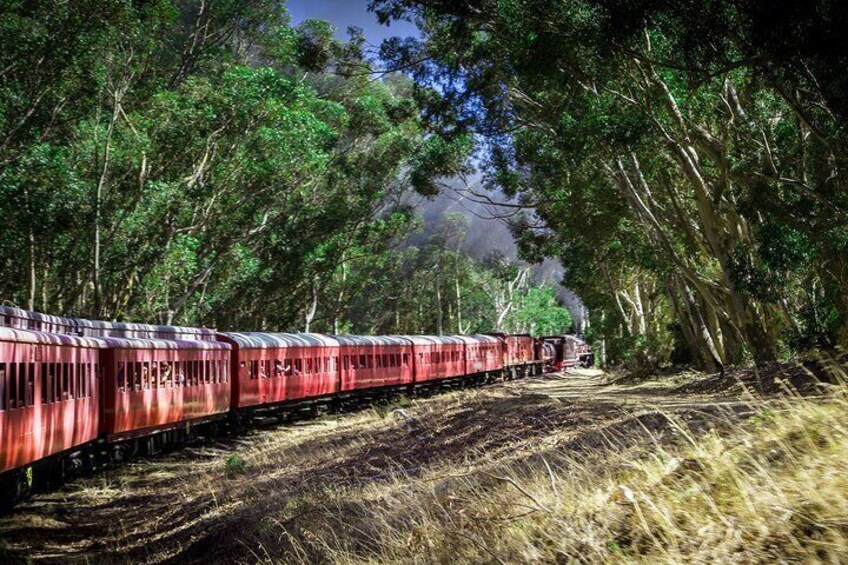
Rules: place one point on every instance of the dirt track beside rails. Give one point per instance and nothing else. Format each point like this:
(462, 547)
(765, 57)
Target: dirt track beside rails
(224, 500)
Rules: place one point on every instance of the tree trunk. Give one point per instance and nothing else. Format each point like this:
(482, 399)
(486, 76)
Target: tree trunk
(310, 314)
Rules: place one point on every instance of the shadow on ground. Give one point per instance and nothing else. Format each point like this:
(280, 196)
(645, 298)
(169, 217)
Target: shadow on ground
(191, 506)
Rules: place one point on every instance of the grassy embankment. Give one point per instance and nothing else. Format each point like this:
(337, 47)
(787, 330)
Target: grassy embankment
(771, 487)
(680, 469)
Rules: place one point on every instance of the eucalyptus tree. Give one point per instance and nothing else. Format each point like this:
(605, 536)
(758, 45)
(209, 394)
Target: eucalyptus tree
(195, 162)
(682, 158)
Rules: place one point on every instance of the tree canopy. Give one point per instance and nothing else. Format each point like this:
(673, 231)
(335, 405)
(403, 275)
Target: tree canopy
(209, 163)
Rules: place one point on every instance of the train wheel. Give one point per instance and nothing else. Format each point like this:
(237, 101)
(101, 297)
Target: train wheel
(15, 486)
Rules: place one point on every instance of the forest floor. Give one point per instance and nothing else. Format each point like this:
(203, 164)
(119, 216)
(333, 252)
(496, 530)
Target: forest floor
(576, 466)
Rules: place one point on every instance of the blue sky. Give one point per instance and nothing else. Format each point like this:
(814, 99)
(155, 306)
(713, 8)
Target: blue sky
(344, 13)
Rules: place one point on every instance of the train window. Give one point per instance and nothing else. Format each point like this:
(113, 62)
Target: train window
(56, 382)
(13, 386)
(145, 375)
(66, 382)
(156, 374)
(30, 382)
(370, 361)
(18, 386)
(45, 384)
(23, 382)
(385, 360)
(137, 376)
(2, 386)
(298, 366)
(379, 362)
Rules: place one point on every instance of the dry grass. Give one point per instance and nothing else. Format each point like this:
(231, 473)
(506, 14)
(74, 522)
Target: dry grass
(775, 490)
(543, 471)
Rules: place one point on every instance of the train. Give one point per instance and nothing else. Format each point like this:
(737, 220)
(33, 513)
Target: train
(77, 393)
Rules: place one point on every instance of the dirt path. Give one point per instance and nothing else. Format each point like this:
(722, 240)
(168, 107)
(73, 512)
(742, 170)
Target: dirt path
(220, 501)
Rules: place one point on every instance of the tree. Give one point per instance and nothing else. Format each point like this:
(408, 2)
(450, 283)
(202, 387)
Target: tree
(682, 158)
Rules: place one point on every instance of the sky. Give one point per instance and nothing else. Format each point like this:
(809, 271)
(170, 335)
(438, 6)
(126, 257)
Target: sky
(344, 13)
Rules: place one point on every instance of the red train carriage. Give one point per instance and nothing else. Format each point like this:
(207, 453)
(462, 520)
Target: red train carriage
(484, 354)
(49, 395)
(520, 355)
(437, 357)
(374, 362)
(152, 386)
(268, 369)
